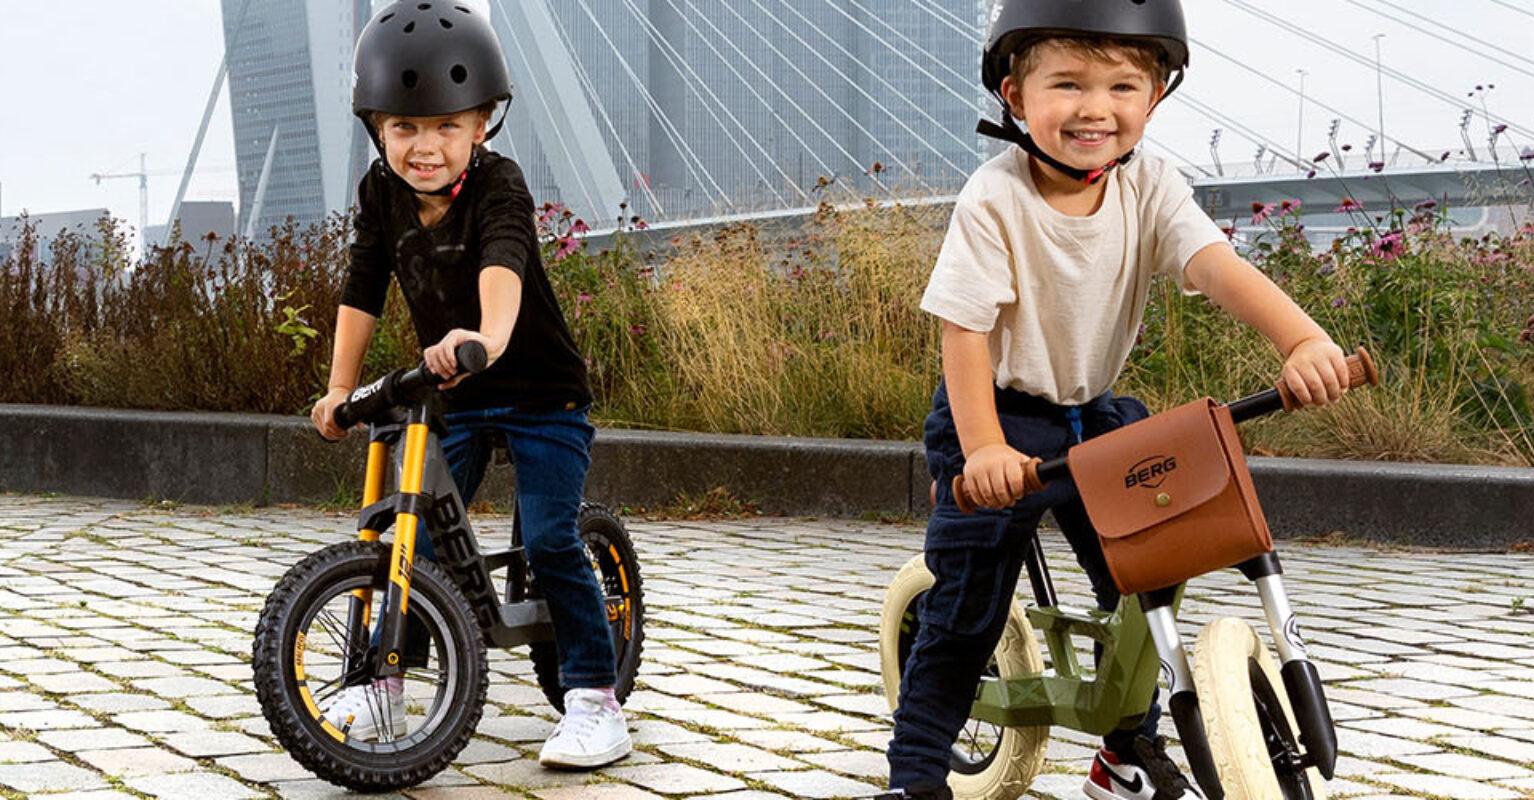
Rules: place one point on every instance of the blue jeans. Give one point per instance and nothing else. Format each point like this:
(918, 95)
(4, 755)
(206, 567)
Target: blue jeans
(976, 560)
(552, 451)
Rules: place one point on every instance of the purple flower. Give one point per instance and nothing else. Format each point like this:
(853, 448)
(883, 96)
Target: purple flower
(1321, 157)
(637, 330)
(1497, 131)
(1377, 166)
(1310, 174)
(1338, 303)
(1426, 205)
(1347, 148)
(1445, 156)
(1527, 154)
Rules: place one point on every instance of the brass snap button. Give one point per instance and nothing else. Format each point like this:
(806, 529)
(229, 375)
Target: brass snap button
(1163, 500)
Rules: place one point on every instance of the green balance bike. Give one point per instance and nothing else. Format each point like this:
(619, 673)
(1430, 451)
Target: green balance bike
(360, 611)
(1251, 730)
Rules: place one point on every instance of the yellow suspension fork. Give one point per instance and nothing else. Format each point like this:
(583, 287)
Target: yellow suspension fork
(406, 520)
(359, 611)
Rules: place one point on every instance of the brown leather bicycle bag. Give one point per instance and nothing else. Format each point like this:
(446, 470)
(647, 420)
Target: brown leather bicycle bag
(1171, 497)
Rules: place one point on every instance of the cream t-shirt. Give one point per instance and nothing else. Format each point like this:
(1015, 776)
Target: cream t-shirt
(1061, 296)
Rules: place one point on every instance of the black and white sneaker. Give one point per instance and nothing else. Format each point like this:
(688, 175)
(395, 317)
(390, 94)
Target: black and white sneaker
(1149, 774)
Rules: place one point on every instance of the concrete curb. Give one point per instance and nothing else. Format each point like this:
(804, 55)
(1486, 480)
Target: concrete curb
(253, 458)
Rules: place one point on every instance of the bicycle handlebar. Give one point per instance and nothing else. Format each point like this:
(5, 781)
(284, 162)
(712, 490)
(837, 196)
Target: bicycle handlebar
(404, 386)
(1037, 472)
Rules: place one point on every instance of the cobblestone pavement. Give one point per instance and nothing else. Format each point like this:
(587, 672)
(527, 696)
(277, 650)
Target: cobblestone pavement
(125, 642)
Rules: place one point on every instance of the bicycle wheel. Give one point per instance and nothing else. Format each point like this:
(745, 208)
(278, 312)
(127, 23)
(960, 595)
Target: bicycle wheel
(617, 568)
(304, 659)
(988, 762)
(1247, 717)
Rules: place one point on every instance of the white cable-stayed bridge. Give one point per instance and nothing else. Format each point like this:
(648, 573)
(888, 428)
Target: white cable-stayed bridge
(681, 111)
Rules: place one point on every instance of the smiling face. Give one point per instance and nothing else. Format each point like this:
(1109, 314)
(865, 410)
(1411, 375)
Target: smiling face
(1084, 107)
(431, 152)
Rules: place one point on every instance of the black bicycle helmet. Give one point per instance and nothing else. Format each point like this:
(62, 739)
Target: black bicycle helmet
(427, 58)
(1015, 23)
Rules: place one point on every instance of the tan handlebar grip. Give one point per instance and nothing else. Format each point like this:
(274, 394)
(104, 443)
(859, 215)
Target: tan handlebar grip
(1361, 371)
(1031, 484)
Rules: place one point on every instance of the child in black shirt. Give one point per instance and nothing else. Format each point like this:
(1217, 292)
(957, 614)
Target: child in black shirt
(454, 223)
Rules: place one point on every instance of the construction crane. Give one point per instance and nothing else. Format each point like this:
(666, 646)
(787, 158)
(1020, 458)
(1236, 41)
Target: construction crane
(143, 195)
(143, 176)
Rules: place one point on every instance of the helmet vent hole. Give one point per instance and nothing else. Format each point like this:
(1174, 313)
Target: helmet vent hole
(464, 10)
(458, 73)
(445, 23)
(410, 27)
(427, 6)
(410, 78)
(385, 18)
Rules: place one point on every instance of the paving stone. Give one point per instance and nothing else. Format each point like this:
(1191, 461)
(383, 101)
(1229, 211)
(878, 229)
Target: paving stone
(191, 786)
(730, 757)
(203, 744)
(675, 778)
(1445, 786)
(48, 776)
(73, 741)
(601, 791)
(136, 761)
(265, 767)
(73, 683)
(815, 784)
(24, 753)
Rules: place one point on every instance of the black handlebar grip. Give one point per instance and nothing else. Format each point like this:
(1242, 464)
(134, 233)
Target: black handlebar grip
(471, 357)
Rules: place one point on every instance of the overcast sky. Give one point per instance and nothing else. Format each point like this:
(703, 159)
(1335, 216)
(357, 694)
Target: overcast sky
(86, 85)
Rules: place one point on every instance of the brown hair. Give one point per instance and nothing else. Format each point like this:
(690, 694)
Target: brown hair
(1146, 57)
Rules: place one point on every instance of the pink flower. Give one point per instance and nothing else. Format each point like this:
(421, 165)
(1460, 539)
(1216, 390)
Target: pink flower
(1389, 246)
(1288, 207)
(1261, 212)
(579, 227)
(583, 298)
(637, 330)
(568, 245)
(1377, 166)
(1349, 205)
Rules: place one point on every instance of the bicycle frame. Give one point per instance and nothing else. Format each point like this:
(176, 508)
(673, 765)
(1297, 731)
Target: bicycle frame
(426, 492)
(1124, 681)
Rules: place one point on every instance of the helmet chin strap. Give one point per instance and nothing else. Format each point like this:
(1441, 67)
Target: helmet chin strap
(1008, 131)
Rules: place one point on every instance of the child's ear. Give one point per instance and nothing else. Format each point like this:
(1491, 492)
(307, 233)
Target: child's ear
(1012, 90)
(479, 128)
(1157, 93)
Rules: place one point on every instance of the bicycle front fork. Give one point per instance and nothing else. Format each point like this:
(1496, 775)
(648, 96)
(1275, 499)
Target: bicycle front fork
(1302, 684)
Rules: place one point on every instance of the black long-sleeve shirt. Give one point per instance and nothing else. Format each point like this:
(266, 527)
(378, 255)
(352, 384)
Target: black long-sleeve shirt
(489, 224)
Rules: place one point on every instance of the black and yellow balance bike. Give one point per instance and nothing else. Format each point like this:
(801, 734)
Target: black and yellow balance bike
(361, 611)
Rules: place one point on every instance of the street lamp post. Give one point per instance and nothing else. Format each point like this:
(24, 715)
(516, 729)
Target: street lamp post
(1299, 129)
(1379, 91)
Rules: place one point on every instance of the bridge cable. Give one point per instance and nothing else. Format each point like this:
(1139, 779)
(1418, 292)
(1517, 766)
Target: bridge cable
(689, 77)
(667, 126)
(591, 91)
(838, 106)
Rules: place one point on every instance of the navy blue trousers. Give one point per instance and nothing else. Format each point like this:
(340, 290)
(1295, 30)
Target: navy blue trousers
(976, 560)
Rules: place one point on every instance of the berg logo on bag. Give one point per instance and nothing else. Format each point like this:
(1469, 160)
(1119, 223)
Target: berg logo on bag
(1148, 473)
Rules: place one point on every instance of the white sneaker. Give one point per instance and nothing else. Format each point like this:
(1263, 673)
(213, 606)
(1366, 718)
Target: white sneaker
(592, 733)
(356, 711)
